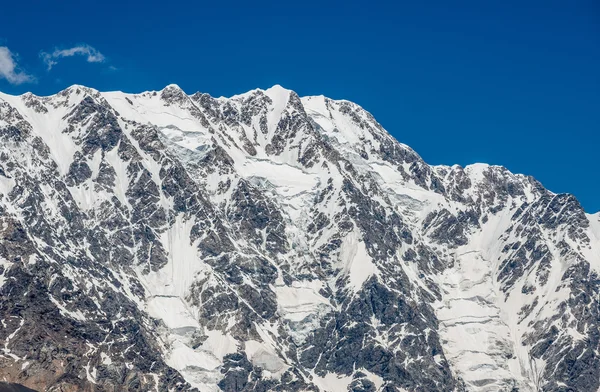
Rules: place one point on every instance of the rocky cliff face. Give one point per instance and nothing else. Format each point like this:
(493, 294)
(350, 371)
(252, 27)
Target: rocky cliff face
(165, 241)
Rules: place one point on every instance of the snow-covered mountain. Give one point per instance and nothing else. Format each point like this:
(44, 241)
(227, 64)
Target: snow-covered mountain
(165, 241)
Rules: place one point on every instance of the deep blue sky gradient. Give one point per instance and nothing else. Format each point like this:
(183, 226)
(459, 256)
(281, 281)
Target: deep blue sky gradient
(514, 83)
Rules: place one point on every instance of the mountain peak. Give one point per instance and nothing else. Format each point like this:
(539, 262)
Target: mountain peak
(172, 86)
(277, 89)
(173, 94)
(279, 95)
(77, 89)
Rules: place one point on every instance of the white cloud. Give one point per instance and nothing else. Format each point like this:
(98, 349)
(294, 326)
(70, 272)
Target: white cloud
(92, 55)
(9, 69)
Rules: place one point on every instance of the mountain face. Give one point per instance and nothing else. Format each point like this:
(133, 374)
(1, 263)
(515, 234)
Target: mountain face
(267, 242)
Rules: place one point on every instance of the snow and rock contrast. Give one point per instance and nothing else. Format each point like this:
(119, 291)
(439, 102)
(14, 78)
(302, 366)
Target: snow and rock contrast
(267, 242)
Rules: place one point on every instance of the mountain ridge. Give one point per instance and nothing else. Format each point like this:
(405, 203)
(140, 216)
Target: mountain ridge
(241, 95)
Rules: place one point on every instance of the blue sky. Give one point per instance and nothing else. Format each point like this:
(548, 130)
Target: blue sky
(513, 83)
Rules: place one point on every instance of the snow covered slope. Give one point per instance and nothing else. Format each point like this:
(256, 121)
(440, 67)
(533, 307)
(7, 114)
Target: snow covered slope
(166, 241)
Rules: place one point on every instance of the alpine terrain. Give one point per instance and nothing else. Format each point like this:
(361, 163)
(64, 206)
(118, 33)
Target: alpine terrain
(266, 242)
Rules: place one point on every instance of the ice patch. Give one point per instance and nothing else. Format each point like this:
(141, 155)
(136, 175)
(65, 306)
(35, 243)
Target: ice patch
(167, 289)
(189, 139)
(122, 180)
(280, 97)
(6, 185)
(199, 368)
(6, 350)
(475, 171)
(594, 257)
(332, 382)
(357, 264)
(174, 313)
(302, 306)
(475, 323)
(105, 359)
(300, 300)
(78, 315)
(288, 180)
(263, 356)
(219, 344)
(184, 263)
(6, 264)
(470, 322)
(49, 127)
(151, 109)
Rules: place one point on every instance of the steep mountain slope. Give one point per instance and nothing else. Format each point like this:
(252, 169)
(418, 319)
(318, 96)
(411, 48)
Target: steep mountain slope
(165, 241)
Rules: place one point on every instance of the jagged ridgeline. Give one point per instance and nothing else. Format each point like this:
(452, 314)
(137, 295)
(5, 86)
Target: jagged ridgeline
(266, 242)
